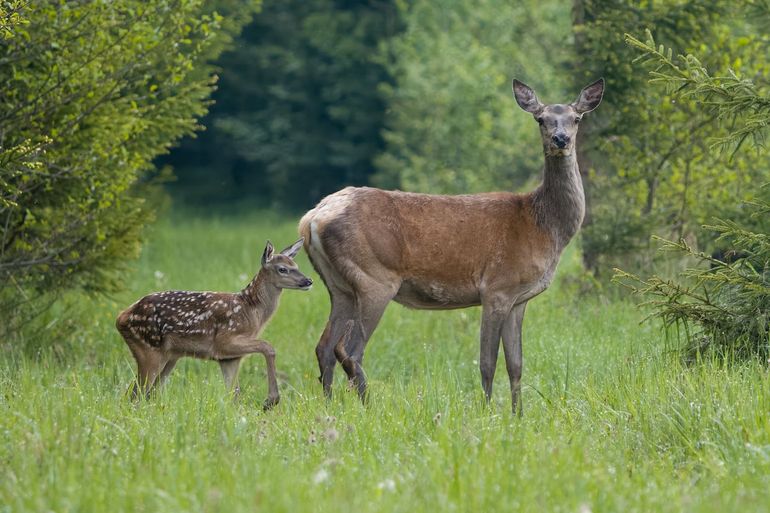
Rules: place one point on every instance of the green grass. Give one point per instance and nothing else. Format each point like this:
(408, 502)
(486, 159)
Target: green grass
(613, 421)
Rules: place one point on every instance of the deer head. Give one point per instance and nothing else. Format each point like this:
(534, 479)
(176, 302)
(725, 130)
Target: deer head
(280, 268)
(559, 122)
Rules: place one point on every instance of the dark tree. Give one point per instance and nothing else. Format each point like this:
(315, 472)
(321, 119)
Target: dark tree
(298, 111)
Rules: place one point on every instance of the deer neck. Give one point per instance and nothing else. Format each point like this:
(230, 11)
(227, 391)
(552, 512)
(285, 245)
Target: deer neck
(559, 202)
(262, 294)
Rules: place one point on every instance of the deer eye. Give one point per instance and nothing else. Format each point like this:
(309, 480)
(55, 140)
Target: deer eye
(577, 120)
(283, 270)
(539, 120)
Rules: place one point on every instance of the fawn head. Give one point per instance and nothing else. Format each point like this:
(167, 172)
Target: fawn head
(281, 269)
(559, 122)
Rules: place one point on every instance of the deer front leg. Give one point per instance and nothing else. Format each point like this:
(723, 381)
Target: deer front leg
(272, 383)
(241, 347)
(491, 325)
(513, 353)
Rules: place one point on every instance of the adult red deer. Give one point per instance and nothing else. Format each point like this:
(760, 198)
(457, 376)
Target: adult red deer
(497, 250)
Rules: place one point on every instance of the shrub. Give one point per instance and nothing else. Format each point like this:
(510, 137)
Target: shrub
(92, 93)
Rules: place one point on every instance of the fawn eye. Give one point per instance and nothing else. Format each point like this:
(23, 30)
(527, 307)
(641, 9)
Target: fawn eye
(283, 270)
(539, 120)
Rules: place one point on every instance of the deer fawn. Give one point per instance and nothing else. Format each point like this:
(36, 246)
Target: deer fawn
(497, 250)
(162, 327)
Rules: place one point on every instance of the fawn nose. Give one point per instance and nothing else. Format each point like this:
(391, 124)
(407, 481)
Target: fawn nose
(307, 282)
(560, 140)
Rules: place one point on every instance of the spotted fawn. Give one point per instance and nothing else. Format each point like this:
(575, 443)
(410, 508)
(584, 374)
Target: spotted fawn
(162, 327)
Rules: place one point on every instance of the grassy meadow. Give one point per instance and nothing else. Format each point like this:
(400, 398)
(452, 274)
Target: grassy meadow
(612, 420)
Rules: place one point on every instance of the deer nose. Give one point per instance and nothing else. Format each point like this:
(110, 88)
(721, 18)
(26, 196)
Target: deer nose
(308, 282)
(560, 140)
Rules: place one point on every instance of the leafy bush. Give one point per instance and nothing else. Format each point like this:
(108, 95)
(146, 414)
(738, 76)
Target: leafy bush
(722, 306)
(92, 92)
(649, 158)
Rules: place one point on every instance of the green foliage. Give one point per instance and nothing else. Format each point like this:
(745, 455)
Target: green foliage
(652, 168)
(452, 123)
(731, 99)
(298, 111)
(724, 306)
(10, 17)
(92, 92)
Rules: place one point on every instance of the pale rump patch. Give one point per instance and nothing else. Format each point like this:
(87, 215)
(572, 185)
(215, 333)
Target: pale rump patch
(330, 208)
(315, 240)
(333, 205)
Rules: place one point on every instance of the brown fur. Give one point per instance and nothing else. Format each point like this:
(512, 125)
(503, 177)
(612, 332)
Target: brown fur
(425, 251)
(162, 327)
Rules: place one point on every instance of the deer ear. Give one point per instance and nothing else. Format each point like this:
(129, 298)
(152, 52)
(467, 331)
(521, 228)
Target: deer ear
(267, 255)
(292, 250)
(526, 97)
(590, 97)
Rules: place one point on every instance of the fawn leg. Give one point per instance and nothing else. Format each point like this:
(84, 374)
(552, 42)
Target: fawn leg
(137, 348)
(241, 347)
(170, 364)
(230, 374)
(150, 362)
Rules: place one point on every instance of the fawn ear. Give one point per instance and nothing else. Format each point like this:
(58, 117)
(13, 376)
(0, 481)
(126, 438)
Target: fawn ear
(590, 97)
(292, 250)
(267, 255)
(526, 97)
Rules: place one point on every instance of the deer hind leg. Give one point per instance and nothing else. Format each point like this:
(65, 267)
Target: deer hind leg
(164, 374)
(230, 374)
(513, 354)
(150, 362)
(133, 341)
(350, 348)
(238, 348)
(491, 326)
(133, 388)
(342, 310)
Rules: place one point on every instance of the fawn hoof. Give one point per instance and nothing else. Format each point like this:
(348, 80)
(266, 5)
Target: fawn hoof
(270, 402)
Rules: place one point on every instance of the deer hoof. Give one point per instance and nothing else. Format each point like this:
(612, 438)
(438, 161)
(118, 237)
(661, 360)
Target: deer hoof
(270, 402)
